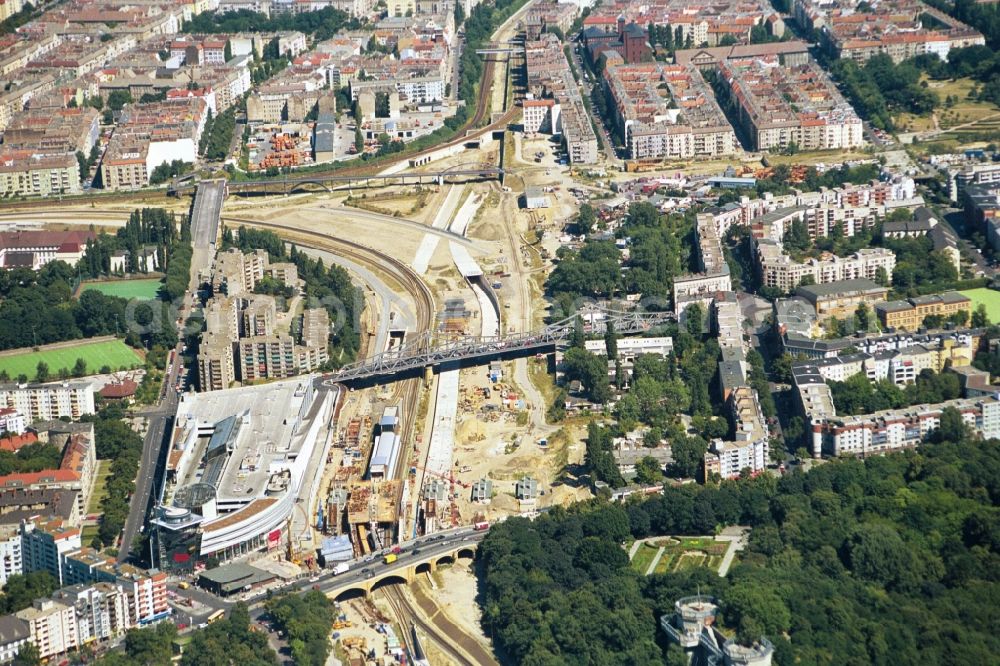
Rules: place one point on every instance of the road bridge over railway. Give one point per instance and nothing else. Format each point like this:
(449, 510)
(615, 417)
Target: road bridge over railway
(404, 570)
(332, 181)
(415, 356)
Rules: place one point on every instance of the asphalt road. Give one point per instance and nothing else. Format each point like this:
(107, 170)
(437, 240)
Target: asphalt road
(429, 547)
(204, 231)
(160, 417)
(205, 216)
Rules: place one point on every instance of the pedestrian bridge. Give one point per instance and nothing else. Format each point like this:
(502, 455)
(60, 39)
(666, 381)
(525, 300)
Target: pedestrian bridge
(404, 571)
(422, 353)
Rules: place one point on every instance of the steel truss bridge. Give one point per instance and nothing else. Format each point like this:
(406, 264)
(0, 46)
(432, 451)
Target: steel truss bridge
(423, 352)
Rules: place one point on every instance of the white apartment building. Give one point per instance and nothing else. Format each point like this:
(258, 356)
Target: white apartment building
(11, 561)
(540, 116)
(895, 429)
(47, 402)
(729, 459)
(44, 546)
(780, 271)
(11, 420)
(53, 627)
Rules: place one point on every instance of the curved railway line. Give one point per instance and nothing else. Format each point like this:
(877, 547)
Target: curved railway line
(409, 390)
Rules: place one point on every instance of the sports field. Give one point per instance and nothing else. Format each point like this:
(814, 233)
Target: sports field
(145, 289)
(988, 297)
(112, 353)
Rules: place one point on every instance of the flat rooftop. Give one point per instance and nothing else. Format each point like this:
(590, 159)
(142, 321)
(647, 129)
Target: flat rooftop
(250, 434)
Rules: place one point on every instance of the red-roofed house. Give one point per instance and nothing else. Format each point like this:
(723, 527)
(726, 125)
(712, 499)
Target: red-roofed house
(42, 247)
(15, 443)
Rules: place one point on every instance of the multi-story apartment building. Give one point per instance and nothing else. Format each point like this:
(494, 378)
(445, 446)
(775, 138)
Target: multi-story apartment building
(909, 315)
(540, 116)
(11, 560)
(841, 299)
(235, 273)
(216, 362)
(52, 625)
(149, 135)
(267, 357)
(781, 105)
(728, 459)
(896, 429)
(101, 609)
(778, 270)
(259, 316)
(713, 276)
(25, 173)
(53, 131)
(47, 402)
(15, 633)
(685, 124)
(10, 7)
(45, 545)
(549, 77)
(901, 29)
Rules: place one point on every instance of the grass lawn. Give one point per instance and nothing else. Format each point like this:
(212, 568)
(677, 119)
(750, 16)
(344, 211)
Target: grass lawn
(100, 486)
(113, 353)
(143, 289)
(988, 297)
(643, 557)
(88, 533)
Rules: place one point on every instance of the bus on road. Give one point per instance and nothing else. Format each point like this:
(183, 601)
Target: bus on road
(216, 616)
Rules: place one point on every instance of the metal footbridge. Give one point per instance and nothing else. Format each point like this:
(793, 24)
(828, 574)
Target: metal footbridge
(423, 352)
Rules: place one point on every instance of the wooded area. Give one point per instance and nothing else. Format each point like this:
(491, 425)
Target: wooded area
(880, 561)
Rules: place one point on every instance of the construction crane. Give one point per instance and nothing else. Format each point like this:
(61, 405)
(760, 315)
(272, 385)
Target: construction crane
(450, 477)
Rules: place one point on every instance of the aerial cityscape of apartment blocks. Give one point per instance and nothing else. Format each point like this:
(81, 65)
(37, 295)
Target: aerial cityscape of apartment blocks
(668, 112)
(781, 104)
(549, 76)
(900, 29)
(693, 23)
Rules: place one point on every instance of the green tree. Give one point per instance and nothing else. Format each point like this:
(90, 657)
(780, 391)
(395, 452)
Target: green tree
(585, 219)
(980, 319)
(359, 138)
(42, 372)
(648, 471)
(862, 316)
(118, 98)
(22, 589)
(611, 340)
(27, 655)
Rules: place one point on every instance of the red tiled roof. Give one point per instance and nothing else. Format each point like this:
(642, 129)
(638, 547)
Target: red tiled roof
(124, 389)
(17, 442)
(24, 239)
(45, 476)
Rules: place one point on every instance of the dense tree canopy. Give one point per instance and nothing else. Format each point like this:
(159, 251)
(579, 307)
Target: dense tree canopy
(659, 249)
(306, 620)
(888, 560)
(857, 395)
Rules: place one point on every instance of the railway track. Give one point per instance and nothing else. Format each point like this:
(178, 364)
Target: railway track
(409, 392)
(408, 616)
